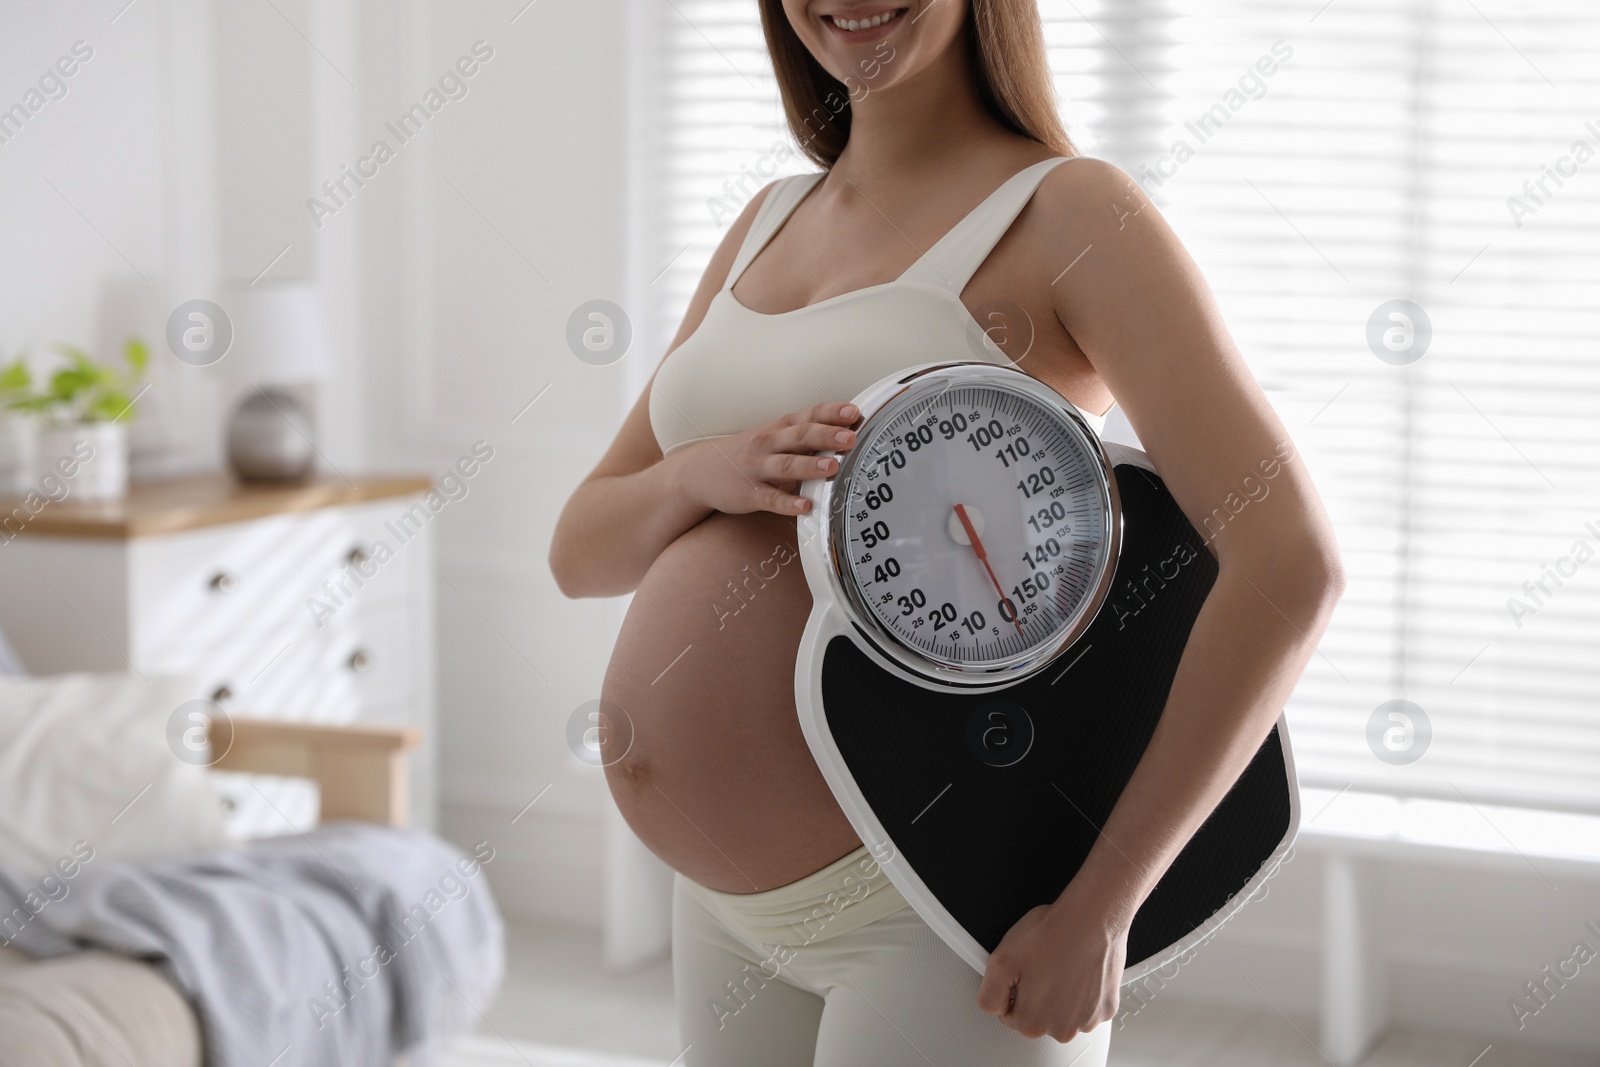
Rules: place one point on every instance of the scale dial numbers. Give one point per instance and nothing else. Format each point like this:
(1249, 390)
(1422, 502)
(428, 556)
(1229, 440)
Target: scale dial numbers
(1031, 483)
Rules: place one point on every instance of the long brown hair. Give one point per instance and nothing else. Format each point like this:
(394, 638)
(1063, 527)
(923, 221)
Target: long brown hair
(1005, 50)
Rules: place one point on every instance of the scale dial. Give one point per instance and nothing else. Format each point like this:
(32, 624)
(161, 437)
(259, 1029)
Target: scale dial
(974, 525)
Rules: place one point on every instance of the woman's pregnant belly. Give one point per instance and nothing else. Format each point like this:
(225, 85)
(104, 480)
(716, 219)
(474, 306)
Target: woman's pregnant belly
(718, 780)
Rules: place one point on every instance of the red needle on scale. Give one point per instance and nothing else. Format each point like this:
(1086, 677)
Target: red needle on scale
(983, 557)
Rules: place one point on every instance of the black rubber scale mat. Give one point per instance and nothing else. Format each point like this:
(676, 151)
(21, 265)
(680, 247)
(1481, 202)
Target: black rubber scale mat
(994, 799)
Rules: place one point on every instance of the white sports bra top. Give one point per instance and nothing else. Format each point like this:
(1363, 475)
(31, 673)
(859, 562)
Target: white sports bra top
(741, 368)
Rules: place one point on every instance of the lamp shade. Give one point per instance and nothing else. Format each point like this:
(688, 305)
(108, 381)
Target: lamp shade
(280, 331)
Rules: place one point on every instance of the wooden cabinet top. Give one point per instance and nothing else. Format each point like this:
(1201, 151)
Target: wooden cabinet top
(195, 501)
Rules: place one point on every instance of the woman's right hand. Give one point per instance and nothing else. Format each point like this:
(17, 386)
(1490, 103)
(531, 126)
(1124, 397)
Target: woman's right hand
(760, 468)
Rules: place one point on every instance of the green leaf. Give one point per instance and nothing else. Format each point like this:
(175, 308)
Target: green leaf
(15, 378)
(110, 405)
(83, 389)
(138, 356)
(68, 382)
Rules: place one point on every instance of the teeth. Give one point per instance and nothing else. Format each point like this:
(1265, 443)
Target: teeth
(852, 25)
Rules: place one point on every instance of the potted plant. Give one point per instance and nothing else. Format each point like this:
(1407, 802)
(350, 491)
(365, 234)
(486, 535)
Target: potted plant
(83, 412)
(19, 432)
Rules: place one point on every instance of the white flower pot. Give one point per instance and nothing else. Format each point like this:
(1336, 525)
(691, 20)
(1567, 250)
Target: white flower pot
(19, 443)
(90, 457)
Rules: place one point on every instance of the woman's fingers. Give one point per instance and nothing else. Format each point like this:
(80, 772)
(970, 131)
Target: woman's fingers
(792, 466)
(792, 457)
(784, 453)
(813, 437)
(839, 413)
(785, 503)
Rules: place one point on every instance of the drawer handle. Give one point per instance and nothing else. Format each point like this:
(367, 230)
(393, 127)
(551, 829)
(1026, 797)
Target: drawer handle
(357, 556)
(223, 582)
(361, 661)
(220, 694)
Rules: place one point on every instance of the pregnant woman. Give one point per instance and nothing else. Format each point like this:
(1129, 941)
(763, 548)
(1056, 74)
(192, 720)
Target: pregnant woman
(949, 195)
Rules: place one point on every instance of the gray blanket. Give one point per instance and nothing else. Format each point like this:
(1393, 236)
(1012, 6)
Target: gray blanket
(344, 946)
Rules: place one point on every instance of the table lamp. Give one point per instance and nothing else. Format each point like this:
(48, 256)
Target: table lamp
(280, 338)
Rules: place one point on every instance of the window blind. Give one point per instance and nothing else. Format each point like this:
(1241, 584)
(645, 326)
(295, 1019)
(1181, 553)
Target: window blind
(1320, 163)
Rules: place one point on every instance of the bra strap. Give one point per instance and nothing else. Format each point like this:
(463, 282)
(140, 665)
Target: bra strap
(955, 258)
(773, 212)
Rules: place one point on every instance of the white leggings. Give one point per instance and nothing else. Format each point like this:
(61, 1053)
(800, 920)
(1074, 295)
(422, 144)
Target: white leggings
(757, 983)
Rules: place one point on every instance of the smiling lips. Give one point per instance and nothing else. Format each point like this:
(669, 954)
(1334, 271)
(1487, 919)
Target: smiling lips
(871, 22)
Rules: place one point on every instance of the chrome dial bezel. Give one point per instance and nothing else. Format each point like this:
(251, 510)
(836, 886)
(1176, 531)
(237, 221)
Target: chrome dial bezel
(885, 403)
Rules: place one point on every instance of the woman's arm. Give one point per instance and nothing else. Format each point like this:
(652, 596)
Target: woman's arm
(632, 505)
(1139, 309)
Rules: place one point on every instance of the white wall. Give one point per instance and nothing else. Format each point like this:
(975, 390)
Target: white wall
(175, 165)
(90, 208)
(478, 241)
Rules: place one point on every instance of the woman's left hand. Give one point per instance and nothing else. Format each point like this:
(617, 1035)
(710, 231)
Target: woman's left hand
(1064, 962)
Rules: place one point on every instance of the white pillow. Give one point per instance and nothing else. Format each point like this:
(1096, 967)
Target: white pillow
(86, 758)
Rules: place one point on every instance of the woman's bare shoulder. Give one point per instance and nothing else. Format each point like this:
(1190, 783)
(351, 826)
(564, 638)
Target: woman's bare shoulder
(1089, 195)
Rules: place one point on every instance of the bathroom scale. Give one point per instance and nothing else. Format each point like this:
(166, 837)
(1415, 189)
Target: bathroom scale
(1000, 599)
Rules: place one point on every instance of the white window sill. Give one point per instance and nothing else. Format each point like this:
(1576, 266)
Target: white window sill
(1447, 831)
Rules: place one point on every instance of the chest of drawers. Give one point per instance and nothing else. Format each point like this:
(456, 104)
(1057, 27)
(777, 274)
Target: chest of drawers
(310, 603)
